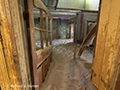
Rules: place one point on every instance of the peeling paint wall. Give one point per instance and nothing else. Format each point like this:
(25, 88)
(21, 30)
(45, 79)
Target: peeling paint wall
(63, 28)
(56, 24)
(55, 32)
(107, 52)
(59, 28)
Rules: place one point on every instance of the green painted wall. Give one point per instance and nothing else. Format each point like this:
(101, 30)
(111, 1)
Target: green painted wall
(55, 28)
(37, 33)
(56, 23)
(79, 4)
(63, 28)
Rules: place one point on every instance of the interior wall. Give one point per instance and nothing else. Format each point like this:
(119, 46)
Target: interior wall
(59, 28)
(82, 27)
(63, 28)
(55, 33)
(64, 24)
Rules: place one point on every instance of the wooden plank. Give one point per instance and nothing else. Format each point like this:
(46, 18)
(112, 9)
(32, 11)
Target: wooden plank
(31, 43)
(13, 39)
(51, 32)
(106, 45)
(7, 64)
(98, 17)
(42, 54)
(40, 5)
(42, 30)
(75, 47)
(24, 43)
(87, 39)
(46, 19)
(41, 26)
(19, 40)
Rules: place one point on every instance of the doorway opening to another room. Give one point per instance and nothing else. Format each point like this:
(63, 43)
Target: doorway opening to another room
(70, 30)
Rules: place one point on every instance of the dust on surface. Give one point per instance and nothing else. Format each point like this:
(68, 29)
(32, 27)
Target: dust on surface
(64, 72)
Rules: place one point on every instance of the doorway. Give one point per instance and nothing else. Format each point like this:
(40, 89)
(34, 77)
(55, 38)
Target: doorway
(70, 30)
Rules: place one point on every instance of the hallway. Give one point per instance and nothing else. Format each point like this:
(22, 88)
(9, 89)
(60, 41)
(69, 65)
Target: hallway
(65, 73)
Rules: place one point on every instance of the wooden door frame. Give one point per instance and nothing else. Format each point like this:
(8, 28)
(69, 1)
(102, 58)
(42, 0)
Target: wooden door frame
(74, 28)
(38, 58)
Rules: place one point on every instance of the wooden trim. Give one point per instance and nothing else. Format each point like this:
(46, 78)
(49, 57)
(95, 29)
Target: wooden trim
(75, 47)
(24, 43)
(51, 32)
(31, 41)
(98, 17)
(46, 19)
(40, 5)
(42, 30)
(42, 54)
(83, 10)
(41, 26)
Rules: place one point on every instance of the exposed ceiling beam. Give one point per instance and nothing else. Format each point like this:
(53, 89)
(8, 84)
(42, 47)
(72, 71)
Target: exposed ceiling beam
(83, 10)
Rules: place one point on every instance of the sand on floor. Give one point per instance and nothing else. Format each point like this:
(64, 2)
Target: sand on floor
(64, 72)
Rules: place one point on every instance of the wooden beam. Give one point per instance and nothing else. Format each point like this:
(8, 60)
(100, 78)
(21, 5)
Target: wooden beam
(83, 10)
(46, 19)
(24, 43)
(98, 17)
(41, 26)
(44, 30)
(31, 42)
(87, 39)
(17, 27)
(75, 47)
(42, 54)
(51, 32)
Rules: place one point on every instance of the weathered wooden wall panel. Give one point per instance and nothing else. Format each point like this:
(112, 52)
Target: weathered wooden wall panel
(14, 7)
(8, 69)
(31, 40)
(24, 42)
(14, 52)
(106, 45)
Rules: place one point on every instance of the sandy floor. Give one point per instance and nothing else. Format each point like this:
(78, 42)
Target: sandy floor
(68, 74)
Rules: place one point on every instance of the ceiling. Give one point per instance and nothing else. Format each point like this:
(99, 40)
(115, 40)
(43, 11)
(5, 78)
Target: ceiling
(58, 12)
